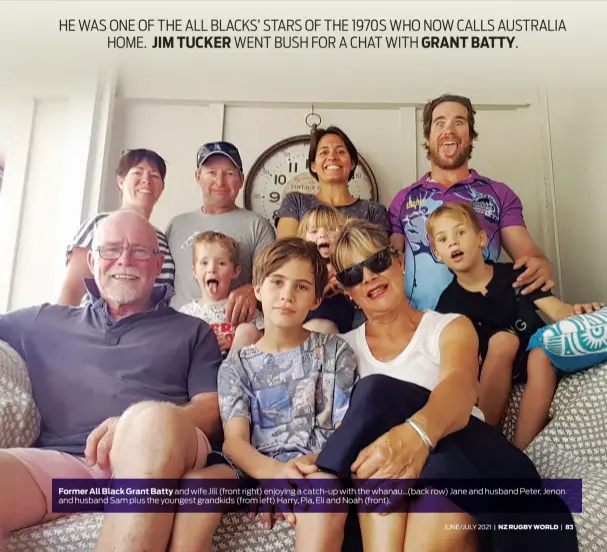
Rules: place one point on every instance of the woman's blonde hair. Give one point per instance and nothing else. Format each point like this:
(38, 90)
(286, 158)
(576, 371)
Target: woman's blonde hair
(323, 216)
(358, 236)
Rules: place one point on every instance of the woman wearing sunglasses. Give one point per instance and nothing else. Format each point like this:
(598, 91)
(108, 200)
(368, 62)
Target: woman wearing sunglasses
(413, 416)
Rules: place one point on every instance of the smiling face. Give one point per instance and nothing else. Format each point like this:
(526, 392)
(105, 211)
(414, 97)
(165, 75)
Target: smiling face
(288, 294)
(457, 243)
(332, 163)
(220, 181)
(378, 293)
(214, 270)
(449, 142)
(141, 186)
(128, 278)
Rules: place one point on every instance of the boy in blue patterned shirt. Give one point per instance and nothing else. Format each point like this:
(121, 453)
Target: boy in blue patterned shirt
(282, 398)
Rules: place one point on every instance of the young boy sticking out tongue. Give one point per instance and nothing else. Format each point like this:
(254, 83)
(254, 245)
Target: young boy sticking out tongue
(216, 264)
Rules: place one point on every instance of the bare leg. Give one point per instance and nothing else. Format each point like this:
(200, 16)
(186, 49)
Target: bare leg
(383, 532)
(152, 441)
(193, 532)
(21, 500)
(320, 325)
(496, 376)
(435, 532)
(536, 400)
(322, 532)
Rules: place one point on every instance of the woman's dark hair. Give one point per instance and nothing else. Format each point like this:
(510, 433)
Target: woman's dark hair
(132, 158)
(433, 104)
(317, 136)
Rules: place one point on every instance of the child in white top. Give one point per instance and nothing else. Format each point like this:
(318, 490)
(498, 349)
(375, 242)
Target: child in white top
(216, 264)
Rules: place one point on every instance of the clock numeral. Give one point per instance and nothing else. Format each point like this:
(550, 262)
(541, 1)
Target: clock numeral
(274, 197)
(292, 167)
(280, 179)
(275, 215)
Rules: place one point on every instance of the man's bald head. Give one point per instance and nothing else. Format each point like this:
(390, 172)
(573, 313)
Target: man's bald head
(125, 259)
(121, 220)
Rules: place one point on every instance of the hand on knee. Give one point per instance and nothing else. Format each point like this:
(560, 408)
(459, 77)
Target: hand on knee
(153, 440)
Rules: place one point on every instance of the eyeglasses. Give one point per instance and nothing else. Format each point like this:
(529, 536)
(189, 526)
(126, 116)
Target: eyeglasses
(112, 252)
(376, 263)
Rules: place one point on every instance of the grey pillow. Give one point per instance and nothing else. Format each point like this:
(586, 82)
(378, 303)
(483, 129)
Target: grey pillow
(19, 417)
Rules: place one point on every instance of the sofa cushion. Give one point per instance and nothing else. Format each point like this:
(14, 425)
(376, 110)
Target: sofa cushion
(575, 343)
(19, 417)
(78, 533)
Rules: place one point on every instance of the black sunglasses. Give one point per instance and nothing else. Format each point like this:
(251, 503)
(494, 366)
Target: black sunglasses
(376, 263)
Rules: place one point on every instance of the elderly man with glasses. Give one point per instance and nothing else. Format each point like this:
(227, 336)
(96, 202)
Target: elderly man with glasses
(126, 388)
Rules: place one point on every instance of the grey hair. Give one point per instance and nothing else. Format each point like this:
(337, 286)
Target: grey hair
(100, 226)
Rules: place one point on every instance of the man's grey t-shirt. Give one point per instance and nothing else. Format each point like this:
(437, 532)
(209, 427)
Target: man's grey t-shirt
(86, 367)
(252, 232)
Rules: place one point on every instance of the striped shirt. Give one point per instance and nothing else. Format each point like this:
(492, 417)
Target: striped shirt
(84, 239)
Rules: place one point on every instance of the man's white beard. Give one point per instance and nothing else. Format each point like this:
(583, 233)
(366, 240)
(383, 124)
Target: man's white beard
(123, 297)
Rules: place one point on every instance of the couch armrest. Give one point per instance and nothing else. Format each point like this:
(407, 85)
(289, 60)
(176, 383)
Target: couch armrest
(19, 417)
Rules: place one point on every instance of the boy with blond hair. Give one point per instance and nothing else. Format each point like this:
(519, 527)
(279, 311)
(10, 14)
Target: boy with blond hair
(504, 319)
(216, 259)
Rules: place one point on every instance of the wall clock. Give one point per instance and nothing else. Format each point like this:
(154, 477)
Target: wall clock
(283, 168)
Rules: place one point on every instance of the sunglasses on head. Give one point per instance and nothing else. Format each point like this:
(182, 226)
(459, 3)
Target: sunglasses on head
(376, 263)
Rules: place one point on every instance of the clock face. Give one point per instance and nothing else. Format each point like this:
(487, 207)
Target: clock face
(283, 168)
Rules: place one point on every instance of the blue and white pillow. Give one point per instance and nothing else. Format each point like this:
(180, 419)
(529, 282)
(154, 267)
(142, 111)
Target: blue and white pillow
(575, 343)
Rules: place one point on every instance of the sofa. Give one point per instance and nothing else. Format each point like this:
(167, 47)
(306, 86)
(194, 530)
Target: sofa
(573, 445)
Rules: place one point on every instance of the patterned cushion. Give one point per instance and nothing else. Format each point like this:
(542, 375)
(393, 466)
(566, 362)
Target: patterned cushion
(574, 445)
(575, 343)
(19, 418)
(78, 533)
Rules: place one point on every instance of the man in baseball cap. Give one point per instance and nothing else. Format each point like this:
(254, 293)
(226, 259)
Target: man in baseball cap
(207, 151)
(220, 175)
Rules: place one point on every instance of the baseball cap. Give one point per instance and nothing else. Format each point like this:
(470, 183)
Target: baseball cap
(219, 148)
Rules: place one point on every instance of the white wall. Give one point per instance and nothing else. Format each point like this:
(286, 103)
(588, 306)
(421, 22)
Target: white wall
(41, 257)
(578, 130)
(52, 179)
(5, 130)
